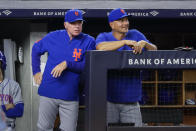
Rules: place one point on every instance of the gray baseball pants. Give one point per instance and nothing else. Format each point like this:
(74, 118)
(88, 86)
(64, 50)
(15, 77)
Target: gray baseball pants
(48, 109)
(124, 113)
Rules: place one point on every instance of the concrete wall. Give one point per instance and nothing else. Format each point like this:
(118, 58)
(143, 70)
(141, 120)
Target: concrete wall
(37, 31)
(24, 78)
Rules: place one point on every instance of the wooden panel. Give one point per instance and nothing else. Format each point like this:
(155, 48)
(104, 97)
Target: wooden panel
(189, 75)
(189, 120)
(190, 94)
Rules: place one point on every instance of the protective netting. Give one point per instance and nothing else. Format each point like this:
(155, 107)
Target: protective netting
(168, 96)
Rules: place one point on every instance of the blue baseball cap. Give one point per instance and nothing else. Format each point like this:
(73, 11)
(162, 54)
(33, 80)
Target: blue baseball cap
(73, 15)
(117, 14)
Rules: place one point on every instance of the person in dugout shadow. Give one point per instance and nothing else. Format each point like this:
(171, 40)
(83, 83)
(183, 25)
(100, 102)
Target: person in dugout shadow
(124, 87)
(10, 97)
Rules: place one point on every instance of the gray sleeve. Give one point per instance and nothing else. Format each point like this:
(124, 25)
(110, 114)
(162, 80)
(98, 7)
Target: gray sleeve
(17, 95)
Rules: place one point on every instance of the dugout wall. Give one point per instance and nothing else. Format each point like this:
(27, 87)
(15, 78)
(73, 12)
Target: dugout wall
(98, 64)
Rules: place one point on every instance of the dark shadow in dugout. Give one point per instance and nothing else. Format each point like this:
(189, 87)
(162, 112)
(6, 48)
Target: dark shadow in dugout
(121, 124)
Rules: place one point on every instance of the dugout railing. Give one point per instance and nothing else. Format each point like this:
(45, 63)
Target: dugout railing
(97, 65)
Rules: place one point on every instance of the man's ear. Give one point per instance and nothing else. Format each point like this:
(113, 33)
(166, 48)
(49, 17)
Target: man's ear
(65, 25)
(111, 24)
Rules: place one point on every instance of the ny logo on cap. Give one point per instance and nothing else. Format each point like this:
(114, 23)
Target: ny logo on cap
(76, 13)
(122, 11)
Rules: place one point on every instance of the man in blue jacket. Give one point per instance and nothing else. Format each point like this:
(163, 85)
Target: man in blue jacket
(10, 97)
(58, 88)
(124, 87)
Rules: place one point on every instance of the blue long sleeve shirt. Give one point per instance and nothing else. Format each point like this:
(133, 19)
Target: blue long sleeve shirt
(60, 48)
(123, 86)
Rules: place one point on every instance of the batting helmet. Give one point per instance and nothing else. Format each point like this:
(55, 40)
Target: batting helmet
(3, 61)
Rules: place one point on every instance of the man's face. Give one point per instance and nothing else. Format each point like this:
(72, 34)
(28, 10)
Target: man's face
(74, 28)
(121, 25)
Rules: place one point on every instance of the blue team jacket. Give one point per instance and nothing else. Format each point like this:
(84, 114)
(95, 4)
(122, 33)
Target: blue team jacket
(123, 86)
(61, 48)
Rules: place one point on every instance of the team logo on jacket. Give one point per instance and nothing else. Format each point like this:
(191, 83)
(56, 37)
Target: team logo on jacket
(77, 53)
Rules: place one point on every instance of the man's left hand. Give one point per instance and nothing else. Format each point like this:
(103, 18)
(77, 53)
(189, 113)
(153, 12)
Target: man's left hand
(142, 45)
(57, 71)
(9, 106)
